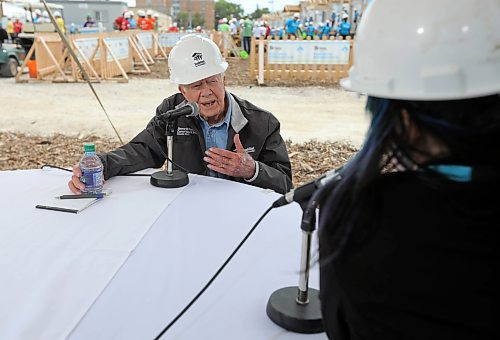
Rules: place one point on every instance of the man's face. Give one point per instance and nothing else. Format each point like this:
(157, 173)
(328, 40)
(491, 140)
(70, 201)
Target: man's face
(209, 93)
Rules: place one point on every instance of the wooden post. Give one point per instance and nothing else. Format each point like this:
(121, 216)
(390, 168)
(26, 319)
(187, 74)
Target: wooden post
(87, 62)
(51, 56)
(23, 66)
(108, 49)
(260, 79)
(252, 59)
(141, 57)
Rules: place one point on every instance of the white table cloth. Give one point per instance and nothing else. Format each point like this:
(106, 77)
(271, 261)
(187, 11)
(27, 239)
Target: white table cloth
(186, 243)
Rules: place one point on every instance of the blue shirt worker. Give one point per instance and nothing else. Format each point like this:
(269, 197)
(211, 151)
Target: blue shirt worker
(345, 26)
(228, 138)
(292, 25)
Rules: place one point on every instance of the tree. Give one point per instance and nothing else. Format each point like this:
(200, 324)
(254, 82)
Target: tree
(224, 9)
(183, 19)
(198, 20)
(258, 13)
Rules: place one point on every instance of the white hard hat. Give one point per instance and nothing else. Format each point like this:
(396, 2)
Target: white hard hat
(448, 53)
(156, 15)
(131, 13)
(141, 13)
(45, 14)
(224, 20)
(149, 12)
(194, 58)
(37, 11)
(127, 15)
(345, 16)
(57, 14)
(296, 15)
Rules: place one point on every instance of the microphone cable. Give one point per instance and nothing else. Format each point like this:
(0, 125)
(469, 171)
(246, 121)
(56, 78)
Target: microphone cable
(212, 279)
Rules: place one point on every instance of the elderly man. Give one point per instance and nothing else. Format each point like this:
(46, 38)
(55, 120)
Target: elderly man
(231, 138)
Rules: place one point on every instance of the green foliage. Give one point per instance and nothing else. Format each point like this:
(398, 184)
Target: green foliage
(182, 19)
(196, 20)
(257, 14)
(224, 9)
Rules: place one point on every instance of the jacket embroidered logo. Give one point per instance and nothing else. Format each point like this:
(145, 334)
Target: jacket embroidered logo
(185, 131)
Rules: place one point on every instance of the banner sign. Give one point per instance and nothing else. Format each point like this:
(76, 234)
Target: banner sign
(119, 47)
(170, 39)
(308, 52)
(88, 47)
(146, 39)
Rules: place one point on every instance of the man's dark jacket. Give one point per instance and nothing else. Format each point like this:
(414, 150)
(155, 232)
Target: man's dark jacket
(259, 134)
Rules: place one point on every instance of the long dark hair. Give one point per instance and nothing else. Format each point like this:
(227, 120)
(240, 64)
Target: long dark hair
(469, 128)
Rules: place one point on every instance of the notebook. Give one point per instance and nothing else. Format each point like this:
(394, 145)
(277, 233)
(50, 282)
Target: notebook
(68, 205)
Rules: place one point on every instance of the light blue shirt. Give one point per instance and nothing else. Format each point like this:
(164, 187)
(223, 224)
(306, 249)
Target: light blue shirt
(216, 135)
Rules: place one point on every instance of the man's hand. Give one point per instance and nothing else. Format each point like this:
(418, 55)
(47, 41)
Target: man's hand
(234, 164)
(75, 185)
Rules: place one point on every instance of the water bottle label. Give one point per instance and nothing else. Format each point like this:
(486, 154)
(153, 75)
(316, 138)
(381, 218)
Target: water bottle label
(92, 179)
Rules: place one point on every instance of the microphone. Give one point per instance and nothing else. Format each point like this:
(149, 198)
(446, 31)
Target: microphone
(305, 191)
(190, 109)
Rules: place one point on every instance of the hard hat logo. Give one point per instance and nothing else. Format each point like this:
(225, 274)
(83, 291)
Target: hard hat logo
(198, 59)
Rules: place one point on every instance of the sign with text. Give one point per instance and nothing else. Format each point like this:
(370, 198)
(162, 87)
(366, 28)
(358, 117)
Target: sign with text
(119, 47)
(308, 52)
(88, 47)
(146, 40)
(170, 39)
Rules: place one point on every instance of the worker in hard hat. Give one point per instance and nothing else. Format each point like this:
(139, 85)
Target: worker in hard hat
(345, 26)
(408, 238)
(132, 21)
(143, 22)
(230, 138)
(292, 25)
(89, 22)
(37, 16)
(151, 19)
(60, 21)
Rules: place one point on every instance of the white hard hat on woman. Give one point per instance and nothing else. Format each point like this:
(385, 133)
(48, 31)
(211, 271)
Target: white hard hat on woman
(426, 57)
(194, 58)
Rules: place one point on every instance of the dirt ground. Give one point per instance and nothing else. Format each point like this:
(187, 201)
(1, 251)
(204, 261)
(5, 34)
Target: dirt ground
(43, 122)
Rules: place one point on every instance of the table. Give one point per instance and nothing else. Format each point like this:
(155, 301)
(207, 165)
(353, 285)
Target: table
(141, 281)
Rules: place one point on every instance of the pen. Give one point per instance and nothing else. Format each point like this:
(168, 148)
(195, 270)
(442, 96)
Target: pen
(69, 197)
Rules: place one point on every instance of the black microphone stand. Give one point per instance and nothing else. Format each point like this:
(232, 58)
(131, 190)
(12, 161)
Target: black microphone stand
(298, 309)
(170, 178)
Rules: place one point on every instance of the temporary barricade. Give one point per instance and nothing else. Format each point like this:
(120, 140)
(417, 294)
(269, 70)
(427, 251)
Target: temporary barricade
(126, 52)
(298, 60)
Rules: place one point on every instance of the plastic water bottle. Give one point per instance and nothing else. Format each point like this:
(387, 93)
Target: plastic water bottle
(92, 170)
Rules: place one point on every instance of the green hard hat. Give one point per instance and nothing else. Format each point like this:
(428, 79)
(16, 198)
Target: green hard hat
(243, 54)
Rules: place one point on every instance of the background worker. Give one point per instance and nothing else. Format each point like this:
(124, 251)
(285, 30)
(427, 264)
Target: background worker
(89, 22)
(291, 25)
(231, 138)
(10, 27)
(60, 21)
(3, 35)
(150, 19)
(18, 28)
(246, 34)
(143, 22)
(345, 26)
(409, 237)
(131, 20)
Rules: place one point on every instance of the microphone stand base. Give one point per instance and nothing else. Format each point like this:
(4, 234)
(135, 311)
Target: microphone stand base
(163, 179)
(283, 310)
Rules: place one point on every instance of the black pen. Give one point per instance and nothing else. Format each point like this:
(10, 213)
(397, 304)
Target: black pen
(69, 197)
